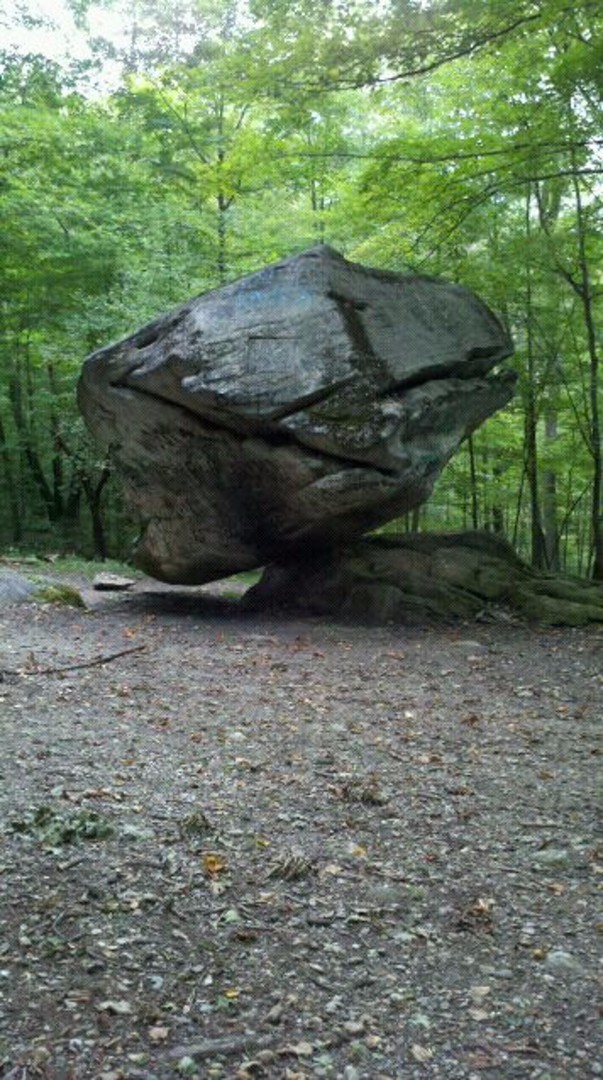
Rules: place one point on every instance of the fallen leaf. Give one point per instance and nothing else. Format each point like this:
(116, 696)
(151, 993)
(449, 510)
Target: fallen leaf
(481, 1060)
(158, 1034)
(358, 851)
(231, 916)
(291, 866)
(520, 1048)
(421, 1053)
(471, 720)
(481, 908)
(213, 864)
(302, 1049)
(557, 887)
(118, 1008)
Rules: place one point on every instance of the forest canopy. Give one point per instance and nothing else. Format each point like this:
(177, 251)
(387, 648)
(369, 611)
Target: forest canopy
(184, 144)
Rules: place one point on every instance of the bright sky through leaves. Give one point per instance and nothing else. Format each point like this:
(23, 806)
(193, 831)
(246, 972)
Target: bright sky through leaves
(52, 30)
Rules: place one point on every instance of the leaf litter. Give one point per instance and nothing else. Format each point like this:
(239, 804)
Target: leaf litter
(290, 849)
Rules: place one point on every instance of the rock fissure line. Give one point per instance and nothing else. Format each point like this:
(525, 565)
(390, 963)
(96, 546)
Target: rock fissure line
(272, 436)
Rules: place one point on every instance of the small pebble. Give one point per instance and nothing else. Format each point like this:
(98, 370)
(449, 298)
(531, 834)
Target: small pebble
(265, 1057)
(333, 1005)
(420, 1020)
(41, 1055)
(186, 1065)
(560, 961)
(397, 998)
(551, 857)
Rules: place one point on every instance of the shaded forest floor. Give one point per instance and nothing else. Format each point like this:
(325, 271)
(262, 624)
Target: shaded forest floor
(259, 847)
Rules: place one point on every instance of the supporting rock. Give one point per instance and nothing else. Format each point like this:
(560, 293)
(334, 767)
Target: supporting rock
(422, 575)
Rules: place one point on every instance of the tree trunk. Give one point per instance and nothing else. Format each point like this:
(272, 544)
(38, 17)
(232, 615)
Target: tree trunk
(58, 478)
(531, 414)
(222, 238)
(222, 200)
(93, 492)
(586, 297)
(11, 489)
(318, 206)
(549, 501)
(473, 483)
(30, 451)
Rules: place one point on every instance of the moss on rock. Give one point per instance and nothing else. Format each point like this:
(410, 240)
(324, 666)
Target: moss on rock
(60, 593)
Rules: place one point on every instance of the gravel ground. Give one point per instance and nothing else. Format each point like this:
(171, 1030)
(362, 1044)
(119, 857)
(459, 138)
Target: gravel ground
(259, 847)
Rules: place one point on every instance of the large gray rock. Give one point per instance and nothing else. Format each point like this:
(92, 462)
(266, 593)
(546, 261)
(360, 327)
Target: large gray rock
(15, 589)
(415, 576)
(293, 409)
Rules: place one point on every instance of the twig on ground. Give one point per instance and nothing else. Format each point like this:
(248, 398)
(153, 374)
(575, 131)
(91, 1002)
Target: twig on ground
(106, 659)
(223, 1046)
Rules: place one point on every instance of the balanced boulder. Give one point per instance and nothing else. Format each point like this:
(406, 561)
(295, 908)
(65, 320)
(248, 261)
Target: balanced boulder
(291, 411)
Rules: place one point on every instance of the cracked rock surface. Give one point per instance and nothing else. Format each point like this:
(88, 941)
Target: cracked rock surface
(291, 410)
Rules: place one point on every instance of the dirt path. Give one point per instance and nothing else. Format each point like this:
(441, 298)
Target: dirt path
(260, 848)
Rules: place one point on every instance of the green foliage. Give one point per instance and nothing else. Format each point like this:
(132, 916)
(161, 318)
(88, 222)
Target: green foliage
(53, 829)
(61, 594)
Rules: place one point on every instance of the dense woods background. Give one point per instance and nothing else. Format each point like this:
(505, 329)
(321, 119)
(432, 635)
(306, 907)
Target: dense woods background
(209, 137)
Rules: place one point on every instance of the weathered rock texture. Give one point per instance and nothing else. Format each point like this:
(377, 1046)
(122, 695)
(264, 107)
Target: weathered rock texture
(14, 588)
(292, 410)
(426, 575)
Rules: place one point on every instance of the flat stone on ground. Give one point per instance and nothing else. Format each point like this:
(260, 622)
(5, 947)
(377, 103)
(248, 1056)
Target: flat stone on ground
(107, 582)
